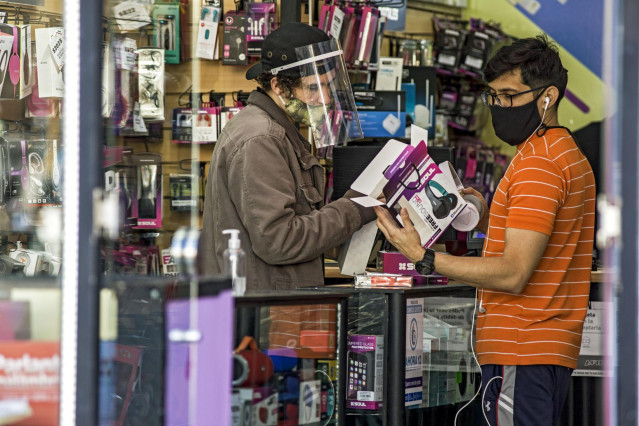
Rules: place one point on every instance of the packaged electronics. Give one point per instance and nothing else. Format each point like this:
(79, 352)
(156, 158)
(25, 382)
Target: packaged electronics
(234, 50)
(381, 113)
(19, 66)
(49, 54)
(364, 371)
(408, 178)
(146, 193)
(207, 43)
(183, 198)
(151, 82)
(35, 175)
(260, 22)
(167, 30)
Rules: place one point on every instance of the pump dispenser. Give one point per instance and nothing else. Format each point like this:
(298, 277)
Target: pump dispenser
(233, 262)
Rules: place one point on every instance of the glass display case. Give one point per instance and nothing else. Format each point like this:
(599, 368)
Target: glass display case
(415, 350)
(32, 195)
(294, 371)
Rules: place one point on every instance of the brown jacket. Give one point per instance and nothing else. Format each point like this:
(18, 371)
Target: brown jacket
(264, 181)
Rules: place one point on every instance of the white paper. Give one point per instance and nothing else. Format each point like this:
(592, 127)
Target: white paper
(127, 53)
(56, 43)
(131, 15)
(417, 134)
(367, 201)
(336, 23)
(138, 121)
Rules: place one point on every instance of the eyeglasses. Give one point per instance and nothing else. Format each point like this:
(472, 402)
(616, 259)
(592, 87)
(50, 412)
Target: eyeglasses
(503, 100)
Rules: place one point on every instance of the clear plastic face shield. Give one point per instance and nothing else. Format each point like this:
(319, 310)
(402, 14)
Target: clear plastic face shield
(324, 102)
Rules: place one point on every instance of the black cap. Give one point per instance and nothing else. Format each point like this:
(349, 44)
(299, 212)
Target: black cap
(278, 48)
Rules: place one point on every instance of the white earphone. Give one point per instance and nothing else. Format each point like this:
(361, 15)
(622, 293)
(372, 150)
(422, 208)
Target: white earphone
(547, 101)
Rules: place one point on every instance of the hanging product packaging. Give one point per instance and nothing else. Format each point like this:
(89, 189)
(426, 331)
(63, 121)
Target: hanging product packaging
(206, 46)
(166, 18)
(131, 15)
(108, 80)
(183, 199)
(50, 52)
(234, 39)
(19, 67)
(151, 82)
(146, 192)
(200, 125)
(366, 36)
(260, 22)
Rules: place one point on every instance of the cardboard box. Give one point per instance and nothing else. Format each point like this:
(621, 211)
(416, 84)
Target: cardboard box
(381, 113)
(19, 77)
(309, 405)
(408, 178)
(365, 372)
(166, 18)
(50, 81)
(234, 51)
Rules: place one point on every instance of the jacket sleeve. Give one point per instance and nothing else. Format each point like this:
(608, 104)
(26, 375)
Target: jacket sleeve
(265, 198)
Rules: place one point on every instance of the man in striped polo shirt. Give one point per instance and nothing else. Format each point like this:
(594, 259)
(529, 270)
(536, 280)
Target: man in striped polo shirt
(533, 279)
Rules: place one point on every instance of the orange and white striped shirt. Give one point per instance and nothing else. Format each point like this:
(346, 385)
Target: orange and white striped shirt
(549, 187)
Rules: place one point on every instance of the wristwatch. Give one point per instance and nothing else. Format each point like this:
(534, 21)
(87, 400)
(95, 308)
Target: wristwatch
(426, 266)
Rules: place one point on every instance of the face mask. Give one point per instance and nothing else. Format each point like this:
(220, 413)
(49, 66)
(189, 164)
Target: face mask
(302, 113)
(516, 124)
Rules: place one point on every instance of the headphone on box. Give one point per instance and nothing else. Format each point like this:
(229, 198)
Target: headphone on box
(443, 204)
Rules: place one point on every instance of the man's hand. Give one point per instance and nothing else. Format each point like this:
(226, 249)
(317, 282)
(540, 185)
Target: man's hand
(404, 239)
(482, 225)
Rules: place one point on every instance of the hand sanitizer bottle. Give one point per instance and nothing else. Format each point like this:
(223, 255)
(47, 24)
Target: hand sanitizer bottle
(233, 263)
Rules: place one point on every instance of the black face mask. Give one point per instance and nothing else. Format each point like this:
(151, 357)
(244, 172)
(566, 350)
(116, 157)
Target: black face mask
(515, 124)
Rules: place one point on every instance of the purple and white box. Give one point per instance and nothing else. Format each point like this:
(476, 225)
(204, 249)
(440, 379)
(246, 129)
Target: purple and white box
(365, 371)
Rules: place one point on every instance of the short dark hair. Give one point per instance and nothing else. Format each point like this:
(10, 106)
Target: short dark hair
(287, 83)
(538, 60)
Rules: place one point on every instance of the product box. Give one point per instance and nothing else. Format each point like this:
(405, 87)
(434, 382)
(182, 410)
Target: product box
(309, 405)
(183, 199)
(414, 351)
(207, 43)
(151, 82)
(18, 170)
(260, 22)
(365, 371)
(234, 50)
(146, 190)
(425, 80)
(254, 407)
(389, 75)
(44, 160)
(166, 18)
(381, 113)
(49, 46)
(199, 125)
(19, 67)
(408, 178)
(393, 262)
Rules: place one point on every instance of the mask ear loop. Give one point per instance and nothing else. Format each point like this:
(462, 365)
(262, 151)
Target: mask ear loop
(542, 120)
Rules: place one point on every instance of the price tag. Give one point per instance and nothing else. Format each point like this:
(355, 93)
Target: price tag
(336, 23)
(56, 43)
(138, 121)
(127, 53)
(131, 15)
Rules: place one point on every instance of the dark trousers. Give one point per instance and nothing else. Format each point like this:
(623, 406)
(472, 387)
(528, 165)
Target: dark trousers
(524, 395)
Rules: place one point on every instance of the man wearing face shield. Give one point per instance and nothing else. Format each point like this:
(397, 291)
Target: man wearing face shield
(264, 180)
(533, 278)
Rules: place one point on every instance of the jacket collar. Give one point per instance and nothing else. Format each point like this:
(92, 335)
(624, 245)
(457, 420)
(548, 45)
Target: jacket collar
(261, 100)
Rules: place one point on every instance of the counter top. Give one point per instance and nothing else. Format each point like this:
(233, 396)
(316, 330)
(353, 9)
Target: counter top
(332, 271)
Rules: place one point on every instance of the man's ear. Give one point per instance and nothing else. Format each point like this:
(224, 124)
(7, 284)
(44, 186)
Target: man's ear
(553, 94)
(275, 86)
